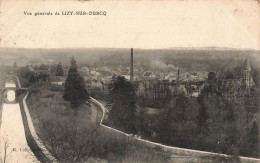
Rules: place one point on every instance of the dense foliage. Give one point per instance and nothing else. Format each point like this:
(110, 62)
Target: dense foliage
(122, 99)
(74, 89)
(208, 123)
(59, 70)
(28, 77)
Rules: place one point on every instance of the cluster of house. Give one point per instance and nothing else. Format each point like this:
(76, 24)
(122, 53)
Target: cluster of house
(160, 85)
(152, 85)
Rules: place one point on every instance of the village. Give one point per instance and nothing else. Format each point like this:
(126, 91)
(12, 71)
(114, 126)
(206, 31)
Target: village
(160, 100)
(154, 88)
(149, 84)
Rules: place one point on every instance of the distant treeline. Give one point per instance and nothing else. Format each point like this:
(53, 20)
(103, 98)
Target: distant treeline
(184, 59)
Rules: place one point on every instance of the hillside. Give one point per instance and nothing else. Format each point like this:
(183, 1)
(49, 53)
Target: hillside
(203, 59)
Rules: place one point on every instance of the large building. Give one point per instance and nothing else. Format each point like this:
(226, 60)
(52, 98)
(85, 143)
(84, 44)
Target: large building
(238, 88)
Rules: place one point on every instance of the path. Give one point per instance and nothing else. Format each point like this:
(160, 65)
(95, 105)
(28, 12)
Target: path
(96, 114)
(14, 147)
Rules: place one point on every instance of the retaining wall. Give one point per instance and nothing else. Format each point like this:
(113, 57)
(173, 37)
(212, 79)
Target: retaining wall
(171, 149)
(18, 82)
(34, 134)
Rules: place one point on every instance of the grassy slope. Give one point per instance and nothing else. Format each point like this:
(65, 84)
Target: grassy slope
(70, 136)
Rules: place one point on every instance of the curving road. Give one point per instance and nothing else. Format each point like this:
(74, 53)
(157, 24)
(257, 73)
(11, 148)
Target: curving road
(96, 114)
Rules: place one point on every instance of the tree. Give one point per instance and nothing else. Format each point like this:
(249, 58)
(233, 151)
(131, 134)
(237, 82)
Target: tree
(211, 77)
(173, 121)
(212, 83)
(203, 115)
(122, 99)
(42, 77)
(253, 139)
(73, 64)
(7, 153)
(230, 114)
(229, 75)
(32, 79)
(15, 65)
(43, 67)
(59, 70)
(74, 89)
(180, 106)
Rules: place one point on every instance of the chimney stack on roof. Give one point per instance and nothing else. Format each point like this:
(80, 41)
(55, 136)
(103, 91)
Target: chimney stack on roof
(132, 67)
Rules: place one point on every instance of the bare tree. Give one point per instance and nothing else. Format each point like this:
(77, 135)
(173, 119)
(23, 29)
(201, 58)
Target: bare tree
(5, 158)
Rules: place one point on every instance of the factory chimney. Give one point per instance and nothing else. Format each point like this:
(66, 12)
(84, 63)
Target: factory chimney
(132, 67)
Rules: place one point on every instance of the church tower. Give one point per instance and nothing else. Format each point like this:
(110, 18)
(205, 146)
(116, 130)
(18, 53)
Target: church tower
(246, 75)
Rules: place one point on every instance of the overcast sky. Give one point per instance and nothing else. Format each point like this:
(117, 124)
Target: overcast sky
(161, 24)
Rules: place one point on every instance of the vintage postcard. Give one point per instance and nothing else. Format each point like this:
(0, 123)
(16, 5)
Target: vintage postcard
(129, 81)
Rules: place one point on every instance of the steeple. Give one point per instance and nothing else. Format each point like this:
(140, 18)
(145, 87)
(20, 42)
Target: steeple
(247, 65)
(246, 75)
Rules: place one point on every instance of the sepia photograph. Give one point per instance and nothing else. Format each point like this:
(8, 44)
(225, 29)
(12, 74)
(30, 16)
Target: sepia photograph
(129, 82)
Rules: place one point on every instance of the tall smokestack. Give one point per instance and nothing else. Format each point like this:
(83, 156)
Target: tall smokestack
(132, 67)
